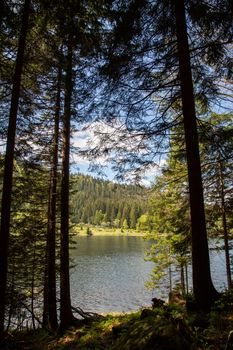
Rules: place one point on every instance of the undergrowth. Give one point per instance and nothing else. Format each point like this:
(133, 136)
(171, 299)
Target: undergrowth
(164, 328)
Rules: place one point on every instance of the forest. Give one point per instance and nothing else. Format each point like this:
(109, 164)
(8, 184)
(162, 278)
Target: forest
(99, 202)
(148, 85)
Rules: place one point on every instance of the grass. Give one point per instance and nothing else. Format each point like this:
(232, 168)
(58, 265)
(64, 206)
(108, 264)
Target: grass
(81, 230)
(165, 328)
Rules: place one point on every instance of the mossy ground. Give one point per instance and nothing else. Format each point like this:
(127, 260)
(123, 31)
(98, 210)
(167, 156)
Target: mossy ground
(167, 328)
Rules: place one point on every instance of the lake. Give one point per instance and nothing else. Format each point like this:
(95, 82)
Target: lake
(110, 273)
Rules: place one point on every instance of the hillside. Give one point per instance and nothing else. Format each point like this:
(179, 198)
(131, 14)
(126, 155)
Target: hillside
(101, 202)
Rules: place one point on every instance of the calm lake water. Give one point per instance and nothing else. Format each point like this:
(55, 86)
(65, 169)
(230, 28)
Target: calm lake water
(110, 273)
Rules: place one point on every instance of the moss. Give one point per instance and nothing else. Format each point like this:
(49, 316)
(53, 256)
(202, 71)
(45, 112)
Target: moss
(164, 328)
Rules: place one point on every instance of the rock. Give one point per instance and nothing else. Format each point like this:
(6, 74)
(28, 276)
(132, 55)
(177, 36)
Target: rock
(167, 337)
(157, 302)
(117, 330)
(146, 313)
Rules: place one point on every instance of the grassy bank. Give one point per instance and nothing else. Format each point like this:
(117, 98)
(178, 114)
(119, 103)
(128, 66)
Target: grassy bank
(167, 327)
(82, 230)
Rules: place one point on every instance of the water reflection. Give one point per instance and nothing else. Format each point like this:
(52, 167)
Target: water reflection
(110, 273)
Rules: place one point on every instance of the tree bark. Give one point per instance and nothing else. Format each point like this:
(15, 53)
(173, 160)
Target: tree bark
(33, 286)
(45, 318)
(52, 305)
(203, 288)
(66, 316)
(186, 277)
(182, 279)
(8, 166)
(224, 223)
(11, 294)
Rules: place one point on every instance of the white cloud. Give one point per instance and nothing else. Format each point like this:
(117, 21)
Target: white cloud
(88, 137)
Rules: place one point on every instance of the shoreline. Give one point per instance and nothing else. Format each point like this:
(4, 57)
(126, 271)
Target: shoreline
(100, 231)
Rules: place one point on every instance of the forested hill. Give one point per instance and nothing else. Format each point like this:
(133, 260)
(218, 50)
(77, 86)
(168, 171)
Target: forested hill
(102, 202)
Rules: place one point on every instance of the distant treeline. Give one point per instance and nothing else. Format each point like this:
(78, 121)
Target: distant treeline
(101, 202)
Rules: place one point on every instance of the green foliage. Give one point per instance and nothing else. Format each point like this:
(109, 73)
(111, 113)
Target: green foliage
(133, 217)
(105, 203)
(125, 225)
(27, 241)
(225, 302)
(144, 223)
(138, 53)
(129, 331)
(98, 218)
(163, 328)
(216, 153)
(169, 221)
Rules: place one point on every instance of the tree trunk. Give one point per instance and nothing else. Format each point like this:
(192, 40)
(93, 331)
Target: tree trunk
(45, 319)
(66, 316)
(11, 295)
(203, 288)
(170, 271)
(8, 166)
(33, 287)
(182, 279)
(52, 305)
(224, 222)
(186, 277)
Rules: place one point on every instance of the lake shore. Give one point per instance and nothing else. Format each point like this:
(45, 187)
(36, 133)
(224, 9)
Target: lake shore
(170, 326)
(89, 230)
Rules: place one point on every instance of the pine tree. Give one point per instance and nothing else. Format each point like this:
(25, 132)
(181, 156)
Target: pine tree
(66, 316)
(8, 167)
(50, 320)
(216, 151)
(125, 225)
(152, 88)
(204, 290)
(133, 219)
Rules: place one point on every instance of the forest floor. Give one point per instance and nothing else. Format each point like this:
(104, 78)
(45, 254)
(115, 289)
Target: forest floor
(105, 231)
(166, 327)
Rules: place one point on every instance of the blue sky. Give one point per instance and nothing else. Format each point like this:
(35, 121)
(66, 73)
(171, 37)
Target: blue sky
(81, 139)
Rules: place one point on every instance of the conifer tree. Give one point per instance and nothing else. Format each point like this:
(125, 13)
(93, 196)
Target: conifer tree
(66, 316)
(8, 166)
(50, 319)
(204, 290)
(153, 73)
(216, 152)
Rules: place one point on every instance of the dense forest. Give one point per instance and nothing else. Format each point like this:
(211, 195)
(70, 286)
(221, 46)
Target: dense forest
(99, 202)
(150, 82)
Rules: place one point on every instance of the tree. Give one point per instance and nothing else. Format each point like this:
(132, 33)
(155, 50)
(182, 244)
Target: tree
(204, 290)
(160, 254)
(8, 167)
(105, 201)
(125, 225)
(224, 224)
(50, 272)
(151, 87)
(66, 316)
(216, 151)
(133, 219)
(98, 218)
(169, 215)
(144, 222)
(27, 242)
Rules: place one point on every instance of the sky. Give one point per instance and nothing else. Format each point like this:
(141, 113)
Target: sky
(80, 164)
